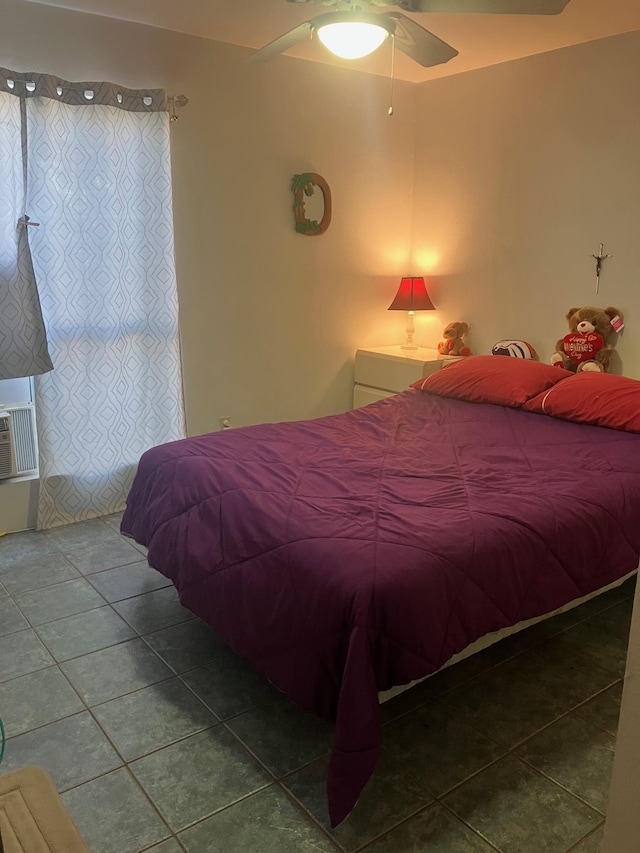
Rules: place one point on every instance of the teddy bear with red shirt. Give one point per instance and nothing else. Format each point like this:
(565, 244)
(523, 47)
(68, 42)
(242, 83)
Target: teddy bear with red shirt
(587, 346)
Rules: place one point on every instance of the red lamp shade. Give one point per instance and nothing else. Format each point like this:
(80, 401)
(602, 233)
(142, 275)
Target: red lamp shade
(412, 296)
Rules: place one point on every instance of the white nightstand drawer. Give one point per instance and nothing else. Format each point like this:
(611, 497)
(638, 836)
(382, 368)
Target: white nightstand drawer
(393, 369)
(363, 395)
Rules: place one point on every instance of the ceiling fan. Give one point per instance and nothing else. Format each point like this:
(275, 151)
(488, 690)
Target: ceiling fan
(341, 31)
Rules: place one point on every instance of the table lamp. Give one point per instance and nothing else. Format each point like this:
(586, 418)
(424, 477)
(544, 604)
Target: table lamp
(411, 296)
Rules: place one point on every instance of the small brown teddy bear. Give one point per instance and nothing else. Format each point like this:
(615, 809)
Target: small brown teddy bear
(586, 347)
(453, 344)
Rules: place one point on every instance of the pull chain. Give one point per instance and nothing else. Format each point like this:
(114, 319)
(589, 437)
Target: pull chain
(393, 57)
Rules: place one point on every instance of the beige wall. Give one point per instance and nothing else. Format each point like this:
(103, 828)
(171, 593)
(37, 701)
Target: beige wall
(521, 171)
(269, 319)
(622, 828)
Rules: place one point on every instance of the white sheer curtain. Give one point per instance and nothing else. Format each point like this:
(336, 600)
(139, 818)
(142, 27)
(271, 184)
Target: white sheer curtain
(99, 184)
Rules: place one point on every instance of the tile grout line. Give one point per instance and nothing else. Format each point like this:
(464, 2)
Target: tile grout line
(125, 764)
(469, 826)
(301, 808)
(394, 827)
(510, 751)
(574, 847)
(278, 781)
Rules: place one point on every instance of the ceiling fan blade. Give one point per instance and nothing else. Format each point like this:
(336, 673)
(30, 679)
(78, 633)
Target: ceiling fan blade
(283, 42)
(499, 7)
(420, 44)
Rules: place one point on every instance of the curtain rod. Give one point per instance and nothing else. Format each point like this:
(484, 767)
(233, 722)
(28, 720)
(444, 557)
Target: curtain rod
(173, 102)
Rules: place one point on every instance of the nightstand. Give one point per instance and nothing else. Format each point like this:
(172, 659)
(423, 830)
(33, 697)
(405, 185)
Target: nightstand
(383, 371)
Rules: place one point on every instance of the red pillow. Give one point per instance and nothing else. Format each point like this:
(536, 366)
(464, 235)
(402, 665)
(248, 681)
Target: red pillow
(492, 379)
(602, 399)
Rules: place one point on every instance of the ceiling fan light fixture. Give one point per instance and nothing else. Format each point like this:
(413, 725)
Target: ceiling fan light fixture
(352, 39)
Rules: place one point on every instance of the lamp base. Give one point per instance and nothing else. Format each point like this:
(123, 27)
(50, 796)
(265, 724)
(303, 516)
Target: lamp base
(410, 330)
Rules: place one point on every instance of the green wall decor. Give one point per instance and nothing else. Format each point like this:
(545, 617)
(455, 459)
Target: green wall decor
(304, 185)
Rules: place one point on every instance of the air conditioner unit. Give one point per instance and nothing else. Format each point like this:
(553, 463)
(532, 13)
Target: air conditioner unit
(18, 441)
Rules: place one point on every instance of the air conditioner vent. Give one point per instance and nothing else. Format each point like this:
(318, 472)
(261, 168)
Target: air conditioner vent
(24, 435)
(19, 437)
(7, 455)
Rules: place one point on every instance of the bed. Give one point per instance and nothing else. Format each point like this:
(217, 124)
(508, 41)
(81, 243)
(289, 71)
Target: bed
(350, 554)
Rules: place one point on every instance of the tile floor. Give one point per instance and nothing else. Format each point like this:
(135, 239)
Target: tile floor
(160, 738)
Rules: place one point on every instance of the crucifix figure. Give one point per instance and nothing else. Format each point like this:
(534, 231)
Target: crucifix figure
(599, 258)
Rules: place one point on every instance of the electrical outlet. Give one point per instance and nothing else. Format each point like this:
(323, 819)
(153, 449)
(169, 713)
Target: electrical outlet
(225, 423)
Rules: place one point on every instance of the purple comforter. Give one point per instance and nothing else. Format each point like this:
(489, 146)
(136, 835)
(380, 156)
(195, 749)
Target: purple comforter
(352, 553)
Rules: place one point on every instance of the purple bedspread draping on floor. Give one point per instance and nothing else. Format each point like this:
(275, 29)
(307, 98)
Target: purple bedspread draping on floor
(348, 554)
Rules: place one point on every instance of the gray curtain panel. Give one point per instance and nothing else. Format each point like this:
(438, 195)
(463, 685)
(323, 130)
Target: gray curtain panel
(23, 340)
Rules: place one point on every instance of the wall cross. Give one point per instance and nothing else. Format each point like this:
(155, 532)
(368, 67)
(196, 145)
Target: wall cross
(599, 258)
